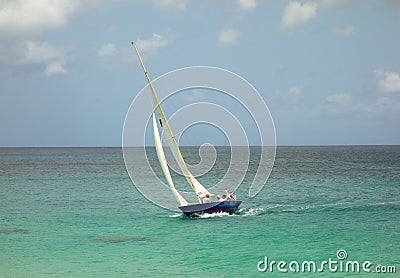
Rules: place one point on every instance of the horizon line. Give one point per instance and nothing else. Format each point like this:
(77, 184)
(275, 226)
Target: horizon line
(183, 146)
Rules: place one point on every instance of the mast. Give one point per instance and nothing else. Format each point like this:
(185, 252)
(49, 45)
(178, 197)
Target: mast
(194, 183)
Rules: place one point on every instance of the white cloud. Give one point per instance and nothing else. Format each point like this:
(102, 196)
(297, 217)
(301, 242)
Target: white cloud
(342, 99)
(383, 101)
(23, 20)
(156, 42)
(344, 31)
(55, 68)
(21, 17)
(107, 50)
(296, 14)
(295, 91)
(389, 82)
(112, 27)
(344, 103)
(247, 4)
(32, 52)
(194, 95)
(382, 106)
(228, 37)
(177, 5)
(294, 94)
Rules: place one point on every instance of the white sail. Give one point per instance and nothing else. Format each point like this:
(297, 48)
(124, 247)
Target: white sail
(164, 166)
(198, 188)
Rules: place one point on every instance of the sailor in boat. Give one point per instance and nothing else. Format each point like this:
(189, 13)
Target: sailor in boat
(206, 199)
(221, 198)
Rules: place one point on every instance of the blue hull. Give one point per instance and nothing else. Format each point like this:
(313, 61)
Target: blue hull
(213, 207)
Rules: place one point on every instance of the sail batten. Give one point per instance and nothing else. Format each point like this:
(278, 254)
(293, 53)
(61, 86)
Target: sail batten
(197, 187)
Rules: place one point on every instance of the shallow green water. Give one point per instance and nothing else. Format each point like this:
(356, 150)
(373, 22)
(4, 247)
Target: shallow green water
(73, 212)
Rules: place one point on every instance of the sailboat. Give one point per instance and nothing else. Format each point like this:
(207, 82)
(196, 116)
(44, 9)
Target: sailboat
(207, 202)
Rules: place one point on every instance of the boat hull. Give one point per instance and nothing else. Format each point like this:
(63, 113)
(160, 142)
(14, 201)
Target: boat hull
(213, 207)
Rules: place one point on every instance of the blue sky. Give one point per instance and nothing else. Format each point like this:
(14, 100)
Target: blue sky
(328, 70)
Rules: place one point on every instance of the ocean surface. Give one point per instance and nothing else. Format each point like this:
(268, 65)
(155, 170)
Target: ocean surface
(74, 212)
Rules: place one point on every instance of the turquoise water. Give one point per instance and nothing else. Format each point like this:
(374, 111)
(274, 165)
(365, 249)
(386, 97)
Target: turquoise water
(74, 212)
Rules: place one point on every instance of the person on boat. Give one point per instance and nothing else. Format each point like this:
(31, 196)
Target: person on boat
(221, 198)
(206, 199)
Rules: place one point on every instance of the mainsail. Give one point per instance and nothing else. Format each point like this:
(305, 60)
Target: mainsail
(198, 188)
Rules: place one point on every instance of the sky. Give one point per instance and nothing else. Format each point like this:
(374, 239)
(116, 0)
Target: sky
(328, 70)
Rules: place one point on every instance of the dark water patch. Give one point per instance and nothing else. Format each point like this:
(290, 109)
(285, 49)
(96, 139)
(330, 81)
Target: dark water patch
(115, 239)
(9, 231)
